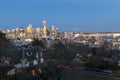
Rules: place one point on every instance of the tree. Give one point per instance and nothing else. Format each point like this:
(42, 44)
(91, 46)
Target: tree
(106, 46)
(3, 43)
(62, 54)
(37, 42)
(95, 62)
(93, 51)
(59, 54)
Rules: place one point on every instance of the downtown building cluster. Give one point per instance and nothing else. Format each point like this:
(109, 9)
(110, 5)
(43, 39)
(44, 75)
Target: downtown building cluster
(24, 35)
(30, 32)
(44, 31)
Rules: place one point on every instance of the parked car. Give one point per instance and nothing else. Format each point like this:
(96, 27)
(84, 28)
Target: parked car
(67, 67)
(107, 71)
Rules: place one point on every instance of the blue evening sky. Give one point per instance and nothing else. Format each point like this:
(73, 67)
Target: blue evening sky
(68, 15)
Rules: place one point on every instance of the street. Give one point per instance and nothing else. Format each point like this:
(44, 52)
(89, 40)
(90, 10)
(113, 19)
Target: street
(86, 75)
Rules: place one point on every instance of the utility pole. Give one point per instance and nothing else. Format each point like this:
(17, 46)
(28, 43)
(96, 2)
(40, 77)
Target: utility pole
(23, 57)
(42, 60)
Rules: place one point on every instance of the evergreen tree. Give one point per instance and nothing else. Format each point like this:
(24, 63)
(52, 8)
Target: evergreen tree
(3, 43)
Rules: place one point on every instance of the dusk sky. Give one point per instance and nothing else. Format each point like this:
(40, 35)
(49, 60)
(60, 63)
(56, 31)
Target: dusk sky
(68, 15)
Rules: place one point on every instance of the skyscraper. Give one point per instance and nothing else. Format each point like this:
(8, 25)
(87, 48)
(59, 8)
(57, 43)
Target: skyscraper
(53, 30)
(29, 31)
(45, 26)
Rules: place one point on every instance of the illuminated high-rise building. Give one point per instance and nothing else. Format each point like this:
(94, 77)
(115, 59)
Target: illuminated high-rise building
(22, 32)
(53, 30)
(37, 32)
(29, 31)
(17, 33)
(45, 26)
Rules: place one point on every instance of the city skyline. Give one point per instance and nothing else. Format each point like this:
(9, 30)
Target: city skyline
(68, 15)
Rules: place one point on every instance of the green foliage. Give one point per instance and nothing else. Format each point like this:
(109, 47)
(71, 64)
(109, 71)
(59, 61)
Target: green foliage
(2, 36)
(98, 62)
(93, 50)
(61, 53)
(95, 62)
(3, 43)
(38, 42)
